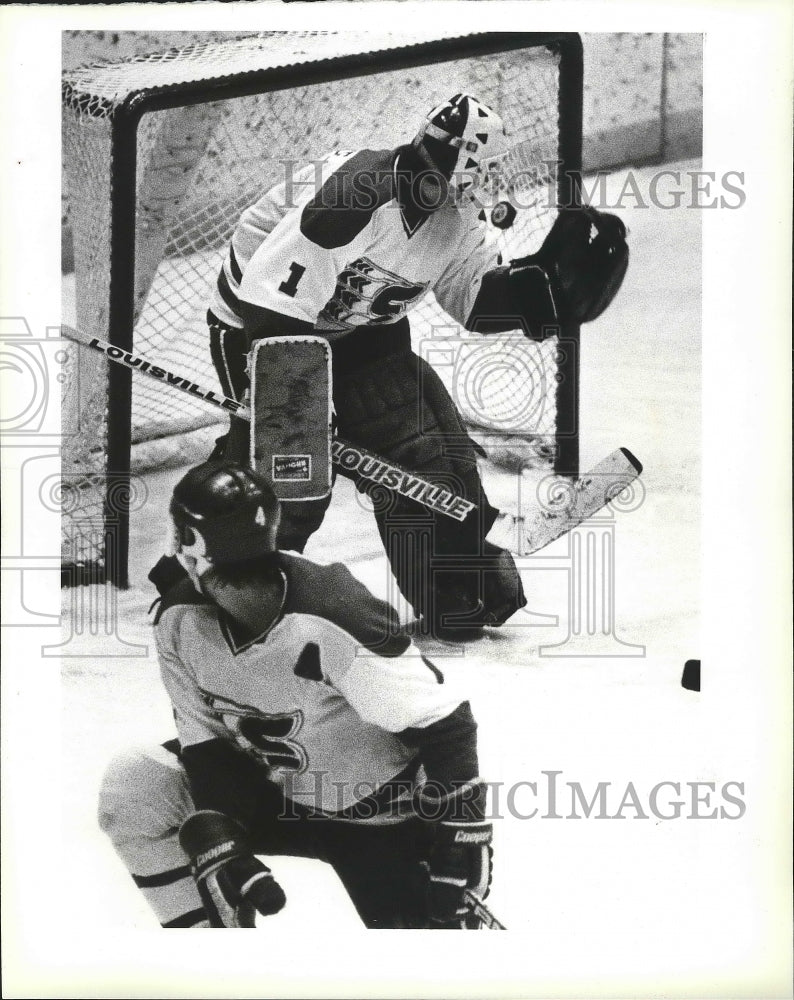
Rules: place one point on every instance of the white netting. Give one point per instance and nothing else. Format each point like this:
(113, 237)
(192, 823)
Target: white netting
(245, 53)
(200, 166)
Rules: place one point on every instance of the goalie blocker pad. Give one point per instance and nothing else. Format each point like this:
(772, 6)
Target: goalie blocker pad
(291, 411)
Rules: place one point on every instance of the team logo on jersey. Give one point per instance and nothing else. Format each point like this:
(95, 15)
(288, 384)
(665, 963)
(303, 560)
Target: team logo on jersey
(367, 294)
(268, 736)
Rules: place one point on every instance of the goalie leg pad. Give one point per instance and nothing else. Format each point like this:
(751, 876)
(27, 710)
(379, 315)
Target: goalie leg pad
(291, 430)
(290, 448)
(291, 415)
(399, 408)
(144, 797)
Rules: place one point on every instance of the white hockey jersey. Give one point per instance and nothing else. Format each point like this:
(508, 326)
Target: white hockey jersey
(317, 699)
(337, 246)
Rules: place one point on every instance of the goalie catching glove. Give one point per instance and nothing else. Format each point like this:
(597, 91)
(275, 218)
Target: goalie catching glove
(460, 857)
(232, 883)
(572, 278)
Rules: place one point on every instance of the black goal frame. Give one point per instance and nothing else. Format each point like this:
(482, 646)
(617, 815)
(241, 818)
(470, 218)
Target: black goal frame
(123, 171)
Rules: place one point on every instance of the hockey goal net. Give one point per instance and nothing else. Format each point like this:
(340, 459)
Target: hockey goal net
(163, 153)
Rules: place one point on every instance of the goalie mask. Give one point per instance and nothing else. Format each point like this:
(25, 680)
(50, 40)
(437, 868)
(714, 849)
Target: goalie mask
(461, 139)
(222, 512)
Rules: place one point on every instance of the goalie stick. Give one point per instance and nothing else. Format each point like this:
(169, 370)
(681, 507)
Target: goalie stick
(570, 502)
(576, 499)
(352, 460)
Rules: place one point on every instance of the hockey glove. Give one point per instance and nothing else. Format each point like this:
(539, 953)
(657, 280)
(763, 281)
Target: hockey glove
(584, 258)
(571, 279)
(232, 883)
(460, 857)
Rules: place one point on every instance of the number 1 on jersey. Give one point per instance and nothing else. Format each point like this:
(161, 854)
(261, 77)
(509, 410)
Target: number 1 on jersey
(290, 286)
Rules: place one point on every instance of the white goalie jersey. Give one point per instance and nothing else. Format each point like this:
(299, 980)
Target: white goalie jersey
(337, 246)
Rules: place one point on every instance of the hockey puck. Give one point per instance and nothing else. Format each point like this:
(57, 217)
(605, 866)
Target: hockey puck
(690, 679)
(503, 215)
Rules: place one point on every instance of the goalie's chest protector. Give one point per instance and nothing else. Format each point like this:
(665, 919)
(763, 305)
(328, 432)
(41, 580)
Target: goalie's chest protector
(351, 254)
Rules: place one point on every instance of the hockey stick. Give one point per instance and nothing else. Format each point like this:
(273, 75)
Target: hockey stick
(351, 459)
(478, 909)
(570, 501)
(579, 499)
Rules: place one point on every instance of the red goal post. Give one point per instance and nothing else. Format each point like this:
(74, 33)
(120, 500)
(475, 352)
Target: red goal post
(163, 153)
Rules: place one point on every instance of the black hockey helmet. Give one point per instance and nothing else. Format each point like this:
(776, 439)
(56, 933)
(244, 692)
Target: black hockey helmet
(223, 512)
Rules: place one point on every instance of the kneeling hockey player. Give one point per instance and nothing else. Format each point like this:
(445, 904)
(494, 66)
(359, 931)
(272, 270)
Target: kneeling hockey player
(344, 250)
(308, 725)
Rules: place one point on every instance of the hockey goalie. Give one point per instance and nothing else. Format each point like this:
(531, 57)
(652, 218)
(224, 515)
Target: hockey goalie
(344, 251)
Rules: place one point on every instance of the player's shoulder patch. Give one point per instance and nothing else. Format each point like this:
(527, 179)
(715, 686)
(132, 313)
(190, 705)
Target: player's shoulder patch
(181, 593)
(333, 593)
(346, 202)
